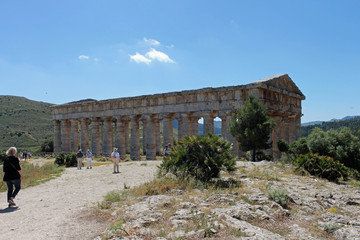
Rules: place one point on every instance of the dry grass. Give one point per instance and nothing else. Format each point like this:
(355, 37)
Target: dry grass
(35, 175)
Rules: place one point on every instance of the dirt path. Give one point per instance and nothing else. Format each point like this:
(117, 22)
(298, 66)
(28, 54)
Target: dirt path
(51, 210)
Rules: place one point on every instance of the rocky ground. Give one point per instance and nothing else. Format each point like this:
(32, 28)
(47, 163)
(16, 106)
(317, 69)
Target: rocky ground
(315, 209)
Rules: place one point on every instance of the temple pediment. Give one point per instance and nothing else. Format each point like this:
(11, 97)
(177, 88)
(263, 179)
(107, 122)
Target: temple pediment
(281, 82)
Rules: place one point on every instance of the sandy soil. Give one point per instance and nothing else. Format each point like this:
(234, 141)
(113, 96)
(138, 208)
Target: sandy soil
(52, 210)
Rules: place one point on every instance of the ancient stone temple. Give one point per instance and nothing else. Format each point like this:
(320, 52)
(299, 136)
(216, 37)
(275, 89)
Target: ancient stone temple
(102, 125)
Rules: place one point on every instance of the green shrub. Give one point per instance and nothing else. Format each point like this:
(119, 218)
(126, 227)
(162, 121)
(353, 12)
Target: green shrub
(47, 146)
(341, 145)
(323, 166)
(112, 196)
(70, 160)
(199, 157)
(283, 146)
(299, 147)
(60, 159)
(262, 156)
(279, 196)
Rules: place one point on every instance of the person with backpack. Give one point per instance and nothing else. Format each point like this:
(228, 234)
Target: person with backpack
(12, 175)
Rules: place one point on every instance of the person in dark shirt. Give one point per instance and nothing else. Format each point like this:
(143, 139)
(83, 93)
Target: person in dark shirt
(12, 175)
(79, 158)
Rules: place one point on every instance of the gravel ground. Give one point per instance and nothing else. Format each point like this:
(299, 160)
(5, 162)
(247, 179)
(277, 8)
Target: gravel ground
(52, 210)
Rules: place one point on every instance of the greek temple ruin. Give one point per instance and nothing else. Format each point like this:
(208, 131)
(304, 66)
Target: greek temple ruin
(102, 125)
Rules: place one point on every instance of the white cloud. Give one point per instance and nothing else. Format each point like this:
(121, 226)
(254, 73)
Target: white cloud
(96, 60)
(159, 56)
(83, 57)
(139, 58)
(152, 41)
(170, 46)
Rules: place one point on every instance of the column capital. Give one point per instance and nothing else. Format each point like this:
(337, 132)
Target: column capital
(168, 115)
(84, 119)
(95, 119)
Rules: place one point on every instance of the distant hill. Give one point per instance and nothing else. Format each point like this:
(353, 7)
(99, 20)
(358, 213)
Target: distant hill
(24, 123)
(352, 122)
(334, 119)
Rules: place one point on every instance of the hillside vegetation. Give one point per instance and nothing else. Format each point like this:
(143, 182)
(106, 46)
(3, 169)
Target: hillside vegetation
(24, 123)
(353, 124)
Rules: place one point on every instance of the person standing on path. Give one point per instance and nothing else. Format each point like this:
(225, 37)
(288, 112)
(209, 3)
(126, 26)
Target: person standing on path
(79, 158)
(115, 158)
(89, 158)
(12, 175)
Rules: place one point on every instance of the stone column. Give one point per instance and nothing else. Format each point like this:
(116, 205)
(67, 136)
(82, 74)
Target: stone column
(224, 127)
(57, 137)
(74, 145)
(186, 127)
(65, 136)
(235, 145)
(127, 135)
(157, 137)
(168, 129)
(120, 137)
(144, 125)
(292, 129)
(276, 136)
(150, 138)
(180, 129)
(297, 122)
(84, 134)
(107, 137)
(134, 139)
(285, 129)
(195, 125)
(95, 136)
(208, 123)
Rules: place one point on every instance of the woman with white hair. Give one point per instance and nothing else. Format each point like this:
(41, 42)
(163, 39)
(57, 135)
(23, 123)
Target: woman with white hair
(13, 175)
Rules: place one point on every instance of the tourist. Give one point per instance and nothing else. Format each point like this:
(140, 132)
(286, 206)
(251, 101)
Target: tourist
(12, 175)
(89, 158)
(115, 158)
(79, 159)
(166, 151)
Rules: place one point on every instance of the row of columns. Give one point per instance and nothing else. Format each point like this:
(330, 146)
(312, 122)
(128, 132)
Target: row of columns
(66, 137)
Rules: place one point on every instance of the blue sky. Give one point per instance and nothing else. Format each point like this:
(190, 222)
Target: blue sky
(62, 51)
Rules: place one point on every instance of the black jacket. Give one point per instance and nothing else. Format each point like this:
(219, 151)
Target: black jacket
(11, 167)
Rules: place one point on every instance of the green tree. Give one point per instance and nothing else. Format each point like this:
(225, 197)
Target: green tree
(251, 126)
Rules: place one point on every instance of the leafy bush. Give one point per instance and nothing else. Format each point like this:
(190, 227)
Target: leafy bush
(60, 159)
(47, 146)
(283, 146)
(322, 166)
(299, 147)
(70, 160)
(341, 145)
(262, 156)
(199, 157)
(279, 196)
